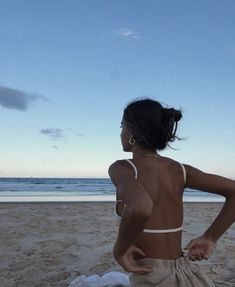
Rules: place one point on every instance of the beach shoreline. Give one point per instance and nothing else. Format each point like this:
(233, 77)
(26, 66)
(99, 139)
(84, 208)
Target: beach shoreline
(50, 244)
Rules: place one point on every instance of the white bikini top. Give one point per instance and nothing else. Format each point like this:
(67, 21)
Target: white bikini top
(118, 217)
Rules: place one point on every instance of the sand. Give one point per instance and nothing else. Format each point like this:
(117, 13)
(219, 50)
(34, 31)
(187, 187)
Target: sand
(50, 244)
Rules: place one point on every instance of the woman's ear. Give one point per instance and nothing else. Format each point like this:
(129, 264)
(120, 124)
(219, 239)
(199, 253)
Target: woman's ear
(131, 140)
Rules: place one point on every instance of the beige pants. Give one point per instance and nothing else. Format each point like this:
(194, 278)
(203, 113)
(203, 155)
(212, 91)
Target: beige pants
(181, 272)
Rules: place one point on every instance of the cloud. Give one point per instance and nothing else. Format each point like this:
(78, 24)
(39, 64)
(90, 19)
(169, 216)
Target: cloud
(53, 133)
(16, 99)
(127, 33)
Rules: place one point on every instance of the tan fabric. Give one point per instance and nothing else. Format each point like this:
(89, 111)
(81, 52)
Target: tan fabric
(181, 272)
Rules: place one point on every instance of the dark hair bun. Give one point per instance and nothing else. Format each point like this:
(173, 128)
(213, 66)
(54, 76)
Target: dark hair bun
(173, 114)
(170, 122)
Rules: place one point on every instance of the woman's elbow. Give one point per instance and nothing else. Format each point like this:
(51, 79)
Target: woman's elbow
(142, 209)
(230, 198)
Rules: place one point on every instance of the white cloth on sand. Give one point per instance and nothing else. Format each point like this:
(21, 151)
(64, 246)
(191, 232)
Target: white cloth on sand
(110, 279)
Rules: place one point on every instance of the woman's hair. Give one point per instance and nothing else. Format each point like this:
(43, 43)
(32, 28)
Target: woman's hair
(152, 125)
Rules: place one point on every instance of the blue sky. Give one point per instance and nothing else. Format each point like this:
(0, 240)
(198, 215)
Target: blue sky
(68, 68)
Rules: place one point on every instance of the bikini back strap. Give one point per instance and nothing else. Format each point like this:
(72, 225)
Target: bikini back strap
(163, 230)
(184, 172)
(134, 167)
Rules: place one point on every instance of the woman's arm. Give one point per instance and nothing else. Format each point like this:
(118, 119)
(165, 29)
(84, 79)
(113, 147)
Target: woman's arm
(202, 247)
(138, 204)
(199, 180)
(138, 208)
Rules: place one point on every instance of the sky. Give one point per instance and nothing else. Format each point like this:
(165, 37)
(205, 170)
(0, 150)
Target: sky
(68, 68)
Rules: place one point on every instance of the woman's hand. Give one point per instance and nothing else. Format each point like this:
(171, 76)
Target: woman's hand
(127, 261)
(200, 248)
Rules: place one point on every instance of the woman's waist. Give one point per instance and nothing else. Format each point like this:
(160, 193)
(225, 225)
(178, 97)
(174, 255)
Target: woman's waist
(160, 248)
(165, 264)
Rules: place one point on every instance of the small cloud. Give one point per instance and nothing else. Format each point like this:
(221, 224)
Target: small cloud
(17, 99)
(127, 33)
(55, 147)
(79, 135)
(53, 133)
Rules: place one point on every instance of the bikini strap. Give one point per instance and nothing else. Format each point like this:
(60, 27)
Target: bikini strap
(184, 172)
(163, 230)
(136, 172)
(134, 167)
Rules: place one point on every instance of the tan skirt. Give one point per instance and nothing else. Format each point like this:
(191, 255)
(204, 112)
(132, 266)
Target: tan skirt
(181, 272)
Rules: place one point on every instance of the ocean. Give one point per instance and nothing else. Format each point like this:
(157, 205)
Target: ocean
(74, 189)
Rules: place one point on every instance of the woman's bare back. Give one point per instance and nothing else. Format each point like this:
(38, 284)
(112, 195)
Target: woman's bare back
(163, 180)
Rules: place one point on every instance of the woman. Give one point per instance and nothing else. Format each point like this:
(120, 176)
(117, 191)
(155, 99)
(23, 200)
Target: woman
(149, 202)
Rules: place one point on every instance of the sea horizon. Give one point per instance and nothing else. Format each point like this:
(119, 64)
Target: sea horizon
(82, 189)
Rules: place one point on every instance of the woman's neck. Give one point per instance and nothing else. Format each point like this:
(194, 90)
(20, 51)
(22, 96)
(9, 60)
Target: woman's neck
(144, 153)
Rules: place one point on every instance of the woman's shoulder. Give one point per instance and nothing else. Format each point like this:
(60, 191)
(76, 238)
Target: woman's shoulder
(169, 161)
(120, 163)
(120, 167)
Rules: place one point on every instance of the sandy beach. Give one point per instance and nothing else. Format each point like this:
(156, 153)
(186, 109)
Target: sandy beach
(50, 244)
